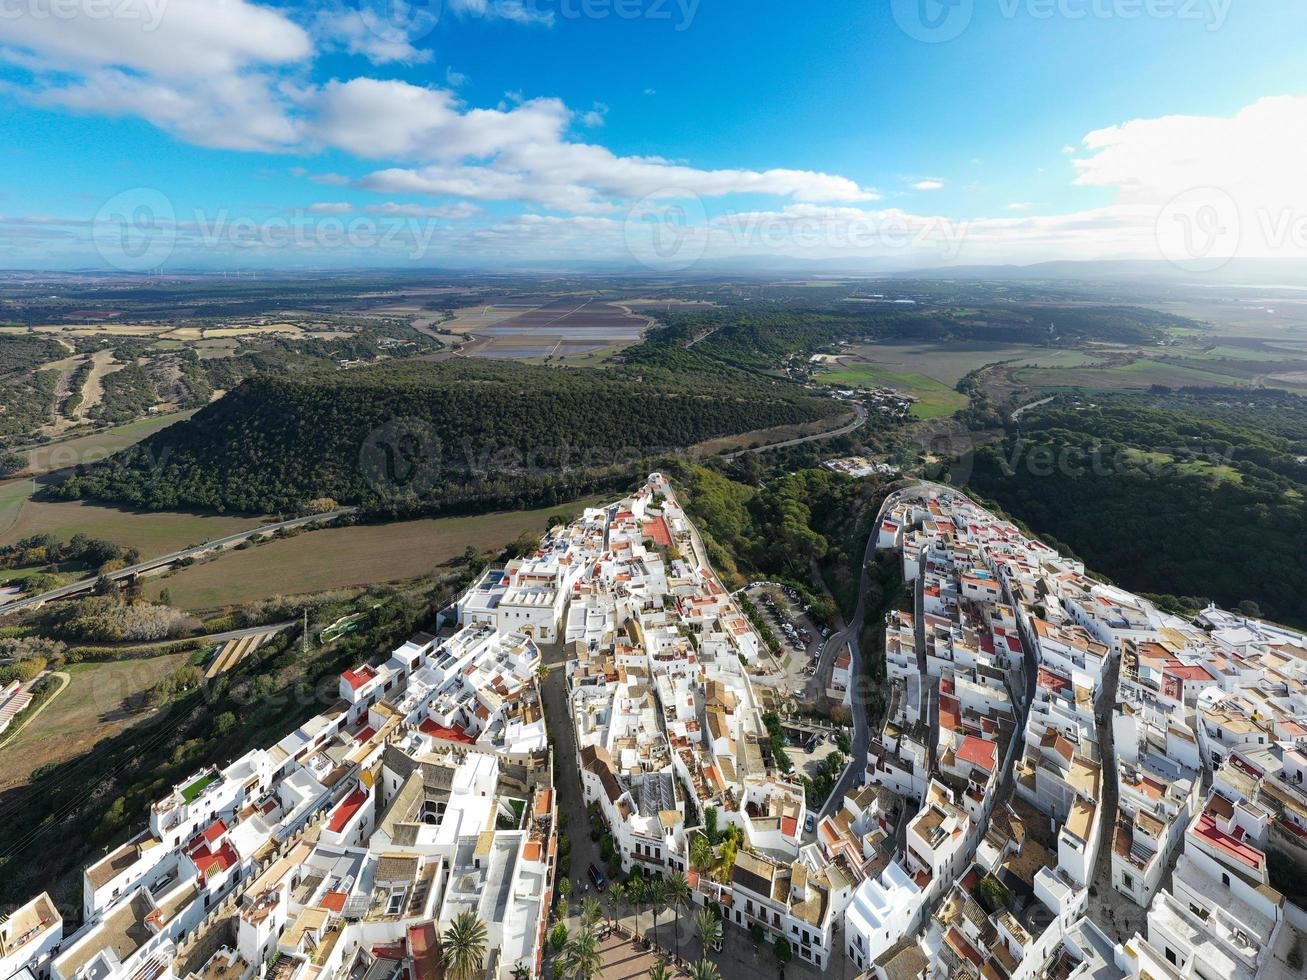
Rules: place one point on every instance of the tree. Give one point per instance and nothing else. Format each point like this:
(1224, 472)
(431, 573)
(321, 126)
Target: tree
(591, 912)
(710, 825)
(463, 947)
(581, 956)
(558, 937)
(656, 896)
(521, 972)
(564, 893)
(617, 897)
(784, 952)
(678, 896)
(701, 855)
(660, 971)
(11, 463)
(709, 928)
(636, 891)
(705, 970)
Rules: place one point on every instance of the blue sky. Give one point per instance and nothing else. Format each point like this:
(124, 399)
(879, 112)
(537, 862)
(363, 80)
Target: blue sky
(516, 131)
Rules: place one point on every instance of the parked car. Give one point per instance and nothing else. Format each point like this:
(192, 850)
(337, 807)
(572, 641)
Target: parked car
(597, 876)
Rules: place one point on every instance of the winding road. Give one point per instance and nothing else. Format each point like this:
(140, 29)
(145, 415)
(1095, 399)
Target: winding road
(857, 423)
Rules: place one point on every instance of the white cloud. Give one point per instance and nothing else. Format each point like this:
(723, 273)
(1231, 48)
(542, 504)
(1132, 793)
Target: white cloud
(460, 209)
(928, 184)
(595, 117)
(1020, 206)
(454, 79)
(396, 120)
(381, 32)
(513, 10)
(177, 39)
(330, 207)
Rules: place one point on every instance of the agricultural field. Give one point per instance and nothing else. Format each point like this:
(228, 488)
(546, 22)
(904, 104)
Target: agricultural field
(1144, 372)
(336, 558)
(152, 533)
(98, 445)
(929, 372)
(569, 329)
(101, 699)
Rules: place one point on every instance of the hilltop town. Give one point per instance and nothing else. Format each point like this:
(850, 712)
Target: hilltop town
(1067, 781)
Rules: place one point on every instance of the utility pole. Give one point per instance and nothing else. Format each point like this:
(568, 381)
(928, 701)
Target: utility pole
(304, 637)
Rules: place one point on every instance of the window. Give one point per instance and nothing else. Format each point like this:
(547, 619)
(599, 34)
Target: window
(1225, 879)
(1170, 956)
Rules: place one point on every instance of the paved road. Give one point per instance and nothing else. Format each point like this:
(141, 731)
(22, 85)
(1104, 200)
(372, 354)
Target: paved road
(857, 423)
(854, 772)
(86, 584)
(1017, 413)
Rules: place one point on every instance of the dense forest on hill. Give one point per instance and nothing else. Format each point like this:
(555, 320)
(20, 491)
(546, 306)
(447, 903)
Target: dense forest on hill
(422, 435)
(745, 337)
(1196, 493)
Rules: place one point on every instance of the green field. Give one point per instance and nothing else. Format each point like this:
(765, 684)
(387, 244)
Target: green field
(346, 556)
(933, 398)
(101, 700)
(149, 532)
(1218, 471)
(1141, 373)
(97, 445)
(930, 372)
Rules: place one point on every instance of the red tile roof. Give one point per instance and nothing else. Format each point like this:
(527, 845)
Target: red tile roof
(357, 678)
(436, 730)
(1243, 853)
(334, 901)
(344, 813)
(978, 752)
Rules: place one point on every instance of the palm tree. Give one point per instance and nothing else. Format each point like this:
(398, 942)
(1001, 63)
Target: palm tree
(635, 891)
(702, 857)
(581, 956)
(591, 912)
(660, 971)
(656, 896)
(709, 928)
(678, 896)
(617, 898)
(521, 972)
(463, 947)
(704, 970)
